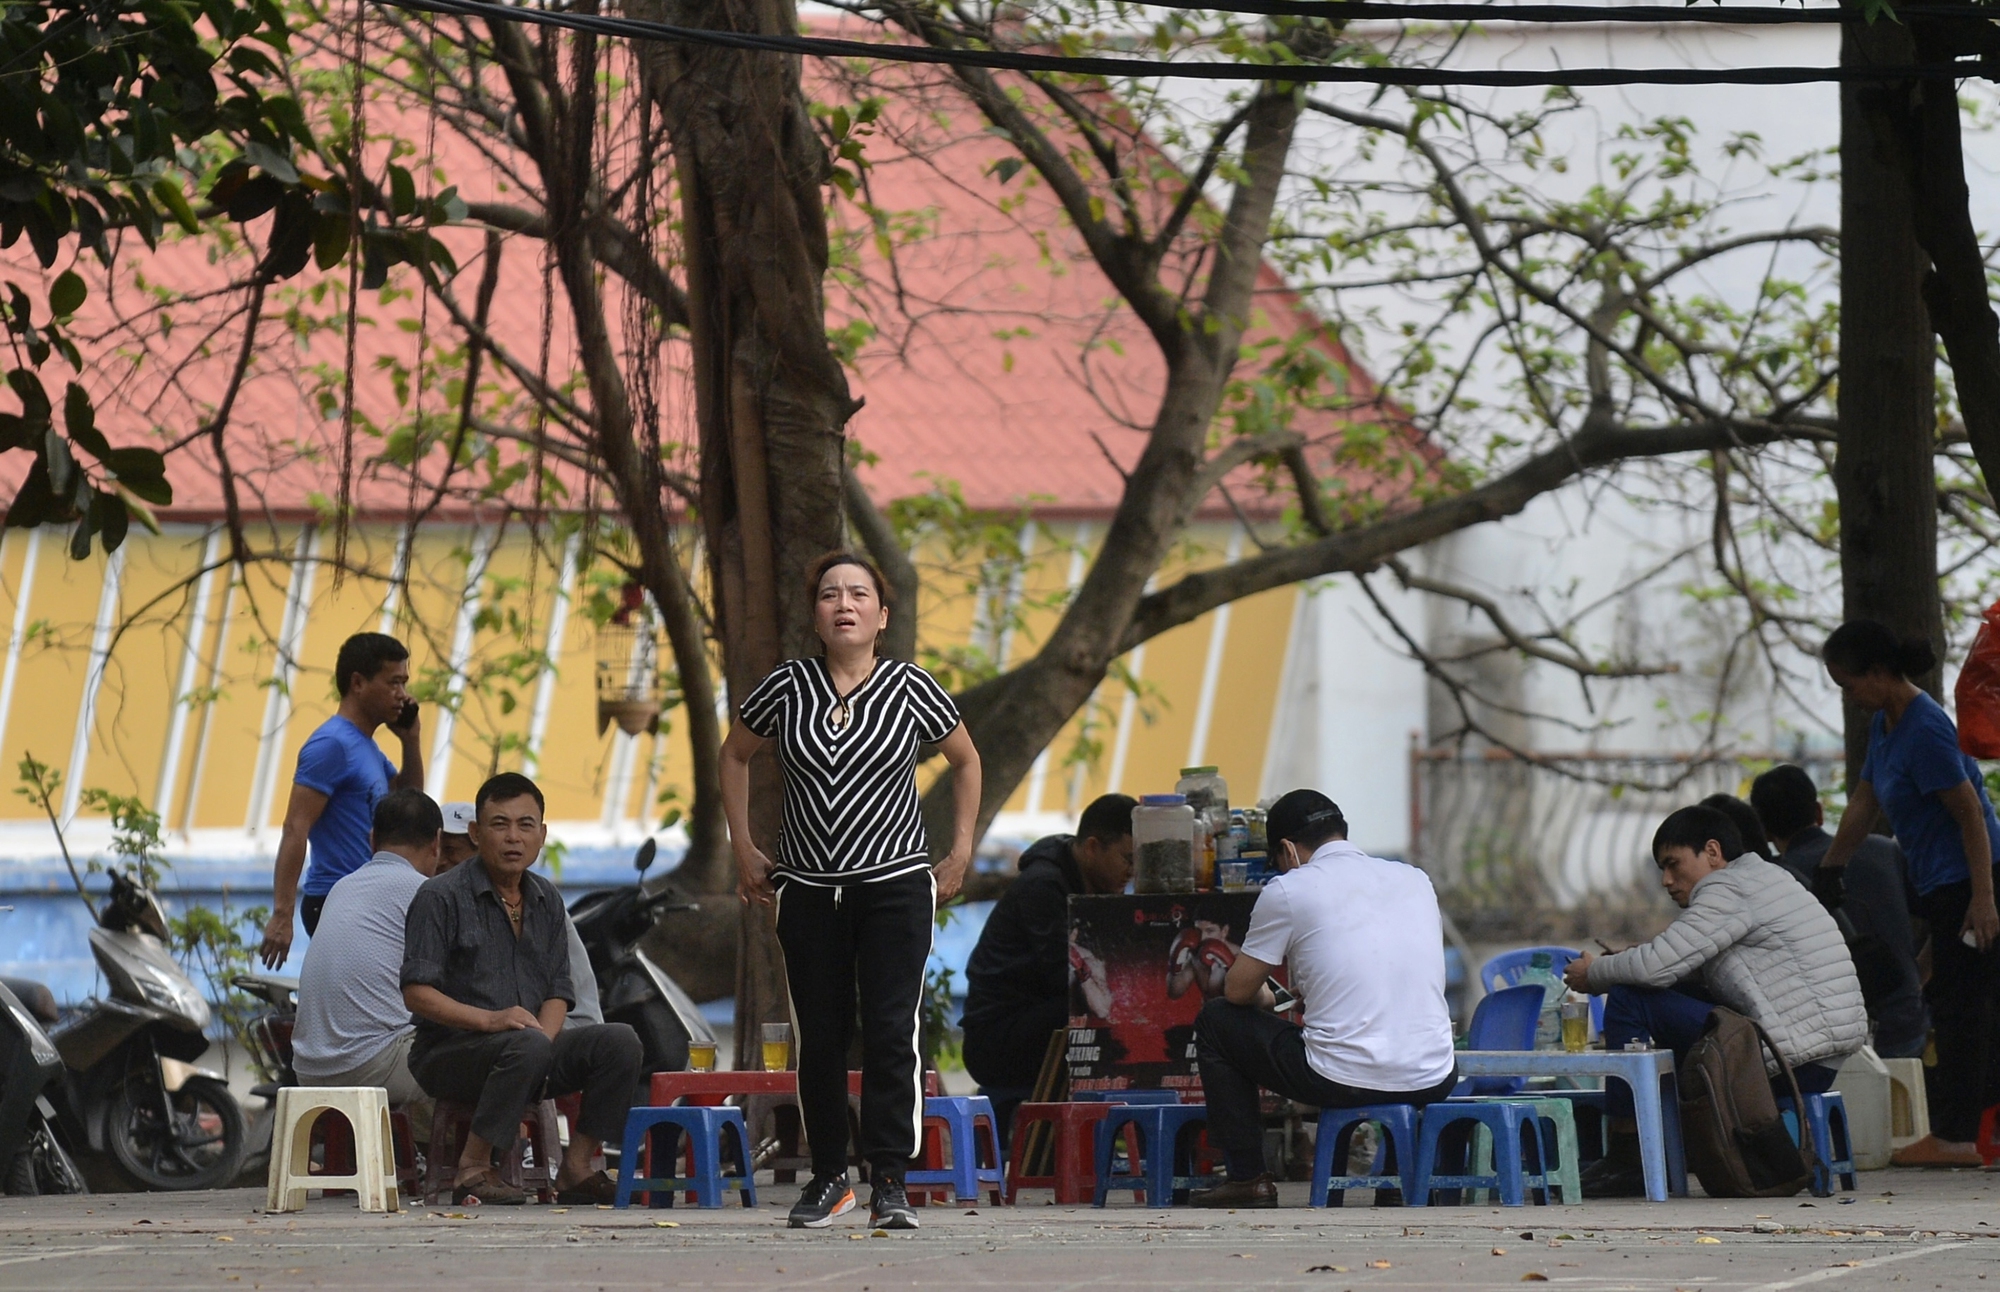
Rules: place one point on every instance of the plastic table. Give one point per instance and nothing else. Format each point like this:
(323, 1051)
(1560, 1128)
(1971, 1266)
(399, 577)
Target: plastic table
(1655, 1098)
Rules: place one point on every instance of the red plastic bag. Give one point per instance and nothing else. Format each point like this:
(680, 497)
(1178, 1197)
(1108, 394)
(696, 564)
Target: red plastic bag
(1978, 691)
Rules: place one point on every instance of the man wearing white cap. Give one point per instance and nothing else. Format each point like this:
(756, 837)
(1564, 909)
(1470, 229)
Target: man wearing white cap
(458, 845)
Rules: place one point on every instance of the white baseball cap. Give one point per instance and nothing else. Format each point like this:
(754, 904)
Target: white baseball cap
(458, 817)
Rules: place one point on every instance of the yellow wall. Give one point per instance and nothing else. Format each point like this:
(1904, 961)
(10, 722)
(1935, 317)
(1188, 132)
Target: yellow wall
(226, 740)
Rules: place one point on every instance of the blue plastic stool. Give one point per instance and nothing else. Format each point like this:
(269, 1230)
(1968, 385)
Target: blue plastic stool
(962, 1115)
(704, 1127)
(1336, 1126)
(1137, 1098)
(1150, 1165)
(1820, 1113)
(1503, 1121)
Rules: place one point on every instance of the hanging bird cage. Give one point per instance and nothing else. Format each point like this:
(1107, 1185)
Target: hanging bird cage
(628, 668)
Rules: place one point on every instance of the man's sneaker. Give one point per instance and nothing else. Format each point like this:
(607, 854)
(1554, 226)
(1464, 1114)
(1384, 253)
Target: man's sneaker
(890, 1207)
(826, 1196)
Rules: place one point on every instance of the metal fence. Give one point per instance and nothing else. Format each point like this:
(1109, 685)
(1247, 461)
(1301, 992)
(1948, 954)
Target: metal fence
(1501, 834)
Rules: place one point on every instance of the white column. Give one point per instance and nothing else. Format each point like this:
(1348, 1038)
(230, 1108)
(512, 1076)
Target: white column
(93, 679)
(552, 646)
(284, 672)
(192, 802)
(177, 721)
(22, 596)
(1211, 671)
(1038, 775)
(399, 573)
(438, 774)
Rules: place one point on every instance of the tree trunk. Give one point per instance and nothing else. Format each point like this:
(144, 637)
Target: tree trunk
(771, 400)
(1883, 472)
(1955, 292)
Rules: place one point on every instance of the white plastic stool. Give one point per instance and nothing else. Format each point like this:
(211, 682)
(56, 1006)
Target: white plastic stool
(1909, 1104)
(367, 1110)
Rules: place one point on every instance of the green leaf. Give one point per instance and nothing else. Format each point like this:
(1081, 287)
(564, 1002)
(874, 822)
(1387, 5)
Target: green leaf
(28, 389)
(331, 231)
(402, 191)
(68, 294)
(114, 518)
(80, 420)
(171, 197)
(36, 501)
(271, 162)
(1007, 167)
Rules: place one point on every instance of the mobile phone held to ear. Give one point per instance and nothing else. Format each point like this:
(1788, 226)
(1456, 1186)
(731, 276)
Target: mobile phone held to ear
(407, 718)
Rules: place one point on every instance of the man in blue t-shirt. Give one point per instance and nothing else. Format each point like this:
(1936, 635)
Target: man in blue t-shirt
(342, 772)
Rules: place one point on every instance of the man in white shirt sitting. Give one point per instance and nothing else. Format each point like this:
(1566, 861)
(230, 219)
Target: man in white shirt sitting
(353, 1027)
(1364, 944)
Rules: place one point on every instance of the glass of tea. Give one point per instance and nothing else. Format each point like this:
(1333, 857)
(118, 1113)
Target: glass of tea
(777, 1047)
(701, 1056)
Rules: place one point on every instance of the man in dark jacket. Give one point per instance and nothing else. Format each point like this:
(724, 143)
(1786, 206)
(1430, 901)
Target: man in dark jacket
(1017, 982)
(1875, 914)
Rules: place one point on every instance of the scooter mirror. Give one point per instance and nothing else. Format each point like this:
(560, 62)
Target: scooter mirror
(644, 858)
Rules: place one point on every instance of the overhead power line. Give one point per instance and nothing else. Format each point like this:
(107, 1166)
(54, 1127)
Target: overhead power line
(1545, 15)
(1013, 61)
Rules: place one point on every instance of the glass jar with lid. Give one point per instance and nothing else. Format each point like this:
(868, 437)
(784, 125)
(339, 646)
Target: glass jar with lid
(1163, 841)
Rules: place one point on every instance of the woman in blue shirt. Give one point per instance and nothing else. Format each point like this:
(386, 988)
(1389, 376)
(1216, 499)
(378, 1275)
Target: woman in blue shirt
(1936, 803)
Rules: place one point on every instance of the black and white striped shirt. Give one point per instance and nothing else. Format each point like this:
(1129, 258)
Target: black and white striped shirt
(851, 811)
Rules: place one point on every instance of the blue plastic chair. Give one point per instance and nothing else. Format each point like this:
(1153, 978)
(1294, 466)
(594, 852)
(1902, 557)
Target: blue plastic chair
(1505, 970)
(663, 1128)
(1505, 1020)
(1821, 1111)
(964, 1116)
(1336, 1128)
(1150, 1165)
(1503, 1121)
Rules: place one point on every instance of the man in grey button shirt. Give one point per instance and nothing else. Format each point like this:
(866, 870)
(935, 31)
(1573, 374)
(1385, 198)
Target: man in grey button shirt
(486, 971)
(353, 1027)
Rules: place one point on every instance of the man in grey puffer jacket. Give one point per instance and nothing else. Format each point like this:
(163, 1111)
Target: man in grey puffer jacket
(1752, 939)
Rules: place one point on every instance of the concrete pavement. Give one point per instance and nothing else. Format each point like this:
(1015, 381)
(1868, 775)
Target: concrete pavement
(1902, 1229)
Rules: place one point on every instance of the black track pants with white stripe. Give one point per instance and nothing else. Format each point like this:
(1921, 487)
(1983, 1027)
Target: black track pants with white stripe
(868, 941)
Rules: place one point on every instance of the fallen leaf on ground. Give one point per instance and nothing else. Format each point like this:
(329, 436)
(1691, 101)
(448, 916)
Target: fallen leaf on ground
(855, 1238)
(1378, 1265)
(666, 1224)
(1706, 1239)
(1244, 1256)
(1326, 1269)
(224, 1238)
(1532, 1277)
(1847, 1265)
(1499, 1251)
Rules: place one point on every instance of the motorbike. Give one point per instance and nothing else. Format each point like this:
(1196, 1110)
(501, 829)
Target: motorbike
(631, 988)
(33, 1158)
(133, 1090)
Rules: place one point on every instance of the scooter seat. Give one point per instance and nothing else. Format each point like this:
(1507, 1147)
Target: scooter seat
(34, 997)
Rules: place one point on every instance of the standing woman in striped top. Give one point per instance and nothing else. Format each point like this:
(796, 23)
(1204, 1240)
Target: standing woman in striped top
(855, 891)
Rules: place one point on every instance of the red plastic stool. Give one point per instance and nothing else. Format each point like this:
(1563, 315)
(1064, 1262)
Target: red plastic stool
(1988, 1143)
(452, 1122)
(1075, 1130)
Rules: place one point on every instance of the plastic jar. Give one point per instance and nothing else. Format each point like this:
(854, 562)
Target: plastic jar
(1208, 794)
(1163, 842)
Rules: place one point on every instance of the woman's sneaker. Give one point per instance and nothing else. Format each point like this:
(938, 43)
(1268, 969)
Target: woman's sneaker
(889, 1207)
(826, 1196)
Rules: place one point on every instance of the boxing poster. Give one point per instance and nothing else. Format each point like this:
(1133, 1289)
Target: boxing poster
(1140, 969)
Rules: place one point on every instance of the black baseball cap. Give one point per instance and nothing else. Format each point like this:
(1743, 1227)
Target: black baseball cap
(1300, 814)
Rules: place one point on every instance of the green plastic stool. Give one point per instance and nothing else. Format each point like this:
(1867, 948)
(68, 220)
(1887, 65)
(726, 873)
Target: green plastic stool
(1558, 1115)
